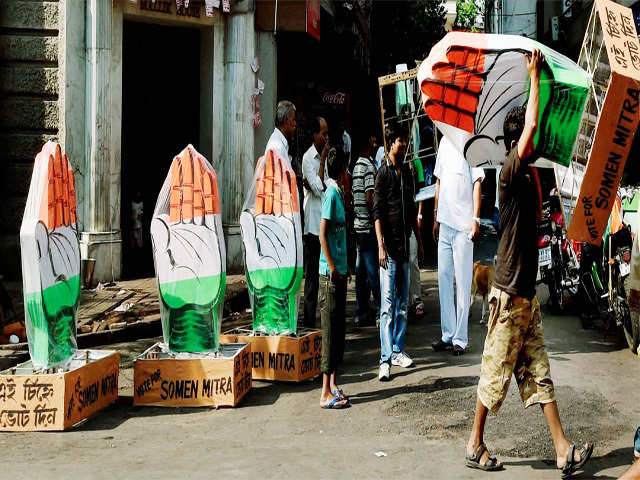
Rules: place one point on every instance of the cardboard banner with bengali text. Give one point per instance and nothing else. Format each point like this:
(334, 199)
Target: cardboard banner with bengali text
(616, 125)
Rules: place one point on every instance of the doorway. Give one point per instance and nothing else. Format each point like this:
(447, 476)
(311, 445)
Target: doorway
(160, 116)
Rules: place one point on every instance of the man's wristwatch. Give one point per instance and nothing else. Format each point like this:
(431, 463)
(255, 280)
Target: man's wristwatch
(476, 219)
(419, 216)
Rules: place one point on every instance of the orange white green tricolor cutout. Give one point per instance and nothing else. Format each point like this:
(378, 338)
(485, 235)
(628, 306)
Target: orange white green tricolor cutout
(272, 237)
(470, 81)
(51, 259)
(189, 254)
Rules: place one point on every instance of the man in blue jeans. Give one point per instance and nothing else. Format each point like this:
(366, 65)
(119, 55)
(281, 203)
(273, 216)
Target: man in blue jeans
(367, 281)
(395, 215)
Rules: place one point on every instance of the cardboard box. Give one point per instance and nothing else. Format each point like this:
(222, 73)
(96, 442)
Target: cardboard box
(32, 401)
(282, 358)
(165, 379)
(619, 115)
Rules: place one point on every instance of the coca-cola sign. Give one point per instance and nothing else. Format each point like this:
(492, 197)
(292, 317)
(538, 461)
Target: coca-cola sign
(335, 98)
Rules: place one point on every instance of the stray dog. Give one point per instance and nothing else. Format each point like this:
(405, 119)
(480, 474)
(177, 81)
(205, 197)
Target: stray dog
(482, 281)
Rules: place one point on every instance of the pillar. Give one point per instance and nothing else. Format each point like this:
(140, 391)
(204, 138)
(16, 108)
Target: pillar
(101, 237)
(238, 157)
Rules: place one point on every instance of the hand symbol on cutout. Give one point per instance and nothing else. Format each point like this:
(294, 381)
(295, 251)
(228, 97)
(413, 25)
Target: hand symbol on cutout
(51, 259)
(456, 88)
(453, 91)
(188, 250)
(272, 237)
(473, 89)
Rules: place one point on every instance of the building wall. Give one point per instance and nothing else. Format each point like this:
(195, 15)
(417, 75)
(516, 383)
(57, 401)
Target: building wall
(450, 7)
(29, 109)
(519, 17)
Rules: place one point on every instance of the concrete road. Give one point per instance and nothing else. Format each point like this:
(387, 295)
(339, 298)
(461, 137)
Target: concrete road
(420, 419)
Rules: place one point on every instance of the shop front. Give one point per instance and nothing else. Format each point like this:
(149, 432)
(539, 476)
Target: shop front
(142, 80)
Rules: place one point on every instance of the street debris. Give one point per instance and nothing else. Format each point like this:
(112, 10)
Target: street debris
(119, 305)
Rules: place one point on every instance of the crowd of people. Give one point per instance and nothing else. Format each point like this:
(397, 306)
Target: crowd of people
(369, 212)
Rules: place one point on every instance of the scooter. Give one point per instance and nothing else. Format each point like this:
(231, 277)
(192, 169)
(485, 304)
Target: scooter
(630, 197)
(557, 261)
(604, 273)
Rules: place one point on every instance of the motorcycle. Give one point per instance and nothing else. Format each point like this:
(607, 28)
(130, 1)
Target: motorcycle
(604, 277)
(558, 262)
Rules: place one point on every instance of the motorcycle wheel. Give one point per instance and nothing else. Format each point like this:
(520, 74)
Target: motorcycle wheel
(630, 319)
(556, 293)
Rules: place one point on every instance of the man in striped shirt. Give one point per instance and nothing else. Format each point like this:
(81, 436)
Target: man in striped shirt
(367, 278)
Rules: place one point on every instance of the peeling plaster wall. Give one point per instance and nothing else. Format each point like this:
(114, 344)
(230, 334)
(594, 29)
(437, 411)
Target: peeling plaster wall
(29, 108)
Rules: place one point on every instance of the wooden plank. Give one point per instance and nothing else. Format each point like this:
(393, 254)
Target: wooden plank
(394, 78)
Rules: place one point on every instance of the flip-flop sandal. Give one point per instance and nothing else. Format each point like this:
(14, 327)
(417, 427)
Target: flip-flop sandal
(473, 461)
(572, 466)
(339, 393)
(333, 404)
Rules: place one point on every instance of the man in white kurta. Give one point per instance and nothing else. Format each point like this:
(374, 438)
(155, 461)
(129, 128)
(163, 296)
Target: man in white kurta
(457, 207)
(315, 178)
(285, 128)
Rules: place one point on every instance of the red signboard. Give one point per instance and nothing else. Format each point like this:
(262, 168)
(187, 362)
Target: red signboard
(313, 18)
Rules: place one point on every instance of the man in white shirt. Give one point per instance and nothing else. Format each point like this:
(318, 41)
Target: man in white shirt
(285, 128)
(346, 140)
(456, 226)
(496, 210)
(315, 178)
(379, 157)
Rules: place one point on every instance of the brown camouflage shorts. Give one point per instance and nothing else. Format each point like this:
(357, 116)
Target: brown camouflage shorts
(514, 344)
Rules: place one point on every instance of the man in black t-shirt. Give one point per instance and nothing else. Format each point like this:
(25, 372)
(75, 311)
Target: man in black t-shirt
(515, 341)
(395, 217)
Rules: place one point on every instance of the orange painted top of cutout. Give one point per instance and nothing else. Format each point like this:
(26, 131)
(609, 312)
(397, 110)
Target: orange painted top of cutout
(58, 201)
(194, 187)
(276, 187)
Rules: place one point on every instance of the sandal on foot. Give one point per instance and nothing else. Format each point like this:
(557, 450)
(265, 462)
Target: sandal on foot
(335, 405)
(473, 461)
(339, 393)
(572, 466)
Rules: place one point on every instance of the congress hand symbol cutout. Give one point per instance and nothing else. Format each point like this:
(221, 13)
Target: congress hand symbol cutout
(272, 238)
(51, 259)
(189, 255)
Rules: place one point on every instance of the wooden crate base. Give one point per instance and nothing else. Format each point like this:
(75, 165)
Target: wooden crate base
(36, 401)
(281, 358)
(165, 379)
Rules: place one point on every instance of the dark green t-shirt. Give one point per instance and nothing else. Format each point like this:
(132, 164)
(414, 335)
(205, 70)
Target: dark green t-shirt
(517, 262)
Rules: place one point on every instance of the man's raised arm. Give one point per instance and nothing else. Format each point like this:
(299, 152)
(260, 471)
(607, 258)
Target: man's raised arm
(525, 144)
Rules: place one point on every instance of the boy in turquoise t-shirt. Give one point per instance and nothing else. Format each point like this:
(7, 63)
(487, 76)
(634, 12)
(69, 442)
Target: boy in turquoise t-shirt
(333, 280)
